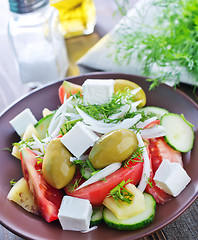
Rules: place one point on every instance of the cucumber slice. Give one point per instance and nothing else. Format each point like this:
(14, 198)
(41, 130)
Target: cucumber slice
(179, 132)
(96, 217)
(135, 222)
(42, 125)
(158, 112)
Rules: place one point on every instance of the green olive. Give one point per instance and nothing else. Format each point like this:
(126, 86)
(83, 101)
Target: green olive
(57, 169)
(115, 146)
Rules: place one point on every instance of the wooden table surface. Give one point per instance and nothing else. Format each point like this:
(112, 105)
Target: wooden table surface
(11, 88)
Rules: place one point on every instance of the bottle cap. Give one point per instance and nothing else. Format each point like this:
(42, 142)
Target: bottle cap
(26, 6)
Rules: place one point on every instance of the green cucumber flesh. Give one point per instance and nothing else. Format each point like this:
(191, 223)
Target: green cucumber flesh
(42, 125)
(157, 111)
(179, 132)
(96, 217)
(135, 222)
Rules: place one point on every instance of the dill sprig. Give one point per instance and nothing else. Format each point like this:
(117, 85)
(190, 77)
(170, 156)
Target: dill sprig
(171, 43)
(149, 181)
(120, 193)
(68, 125)
(72, 187)
(85, 164)
(136, 156)
(12, 182)
(24, 143)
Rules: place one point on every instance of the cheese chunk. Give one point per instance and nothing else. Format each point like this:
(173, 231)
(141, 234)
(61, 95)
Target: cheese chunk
(171, 178)
(97, 91)
(22, 120)
(79, 139)
(75, 214)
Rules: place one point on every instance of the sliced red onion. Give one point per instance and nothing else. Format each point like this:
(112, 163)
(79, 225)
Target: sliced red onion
(156, 131)
(126, 124)
(146, 166)
(101, 174)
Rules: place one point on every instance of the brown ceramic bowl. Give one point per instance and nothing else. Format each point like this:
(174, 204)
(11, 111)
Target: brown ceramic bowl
(29, 226)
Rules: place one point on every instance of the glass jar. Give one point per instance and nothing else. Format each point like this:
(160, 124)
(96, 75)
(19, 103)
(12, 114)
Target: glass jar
(37, 41)
(77, 17)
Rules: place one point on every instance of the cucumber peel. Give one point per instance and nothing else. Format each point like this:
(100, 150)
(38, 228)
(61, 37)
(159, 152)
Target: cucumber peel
(42, 125)
(96, 217)
(138, 221)
(179, 132)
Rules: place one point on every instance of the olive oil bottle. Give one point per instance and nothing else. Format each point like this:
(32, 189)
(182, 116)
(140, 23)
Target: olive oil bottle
(77, 17)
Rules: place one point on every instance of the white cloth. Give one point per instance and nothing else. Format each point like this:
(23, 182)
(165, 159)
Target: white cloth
(99, 56)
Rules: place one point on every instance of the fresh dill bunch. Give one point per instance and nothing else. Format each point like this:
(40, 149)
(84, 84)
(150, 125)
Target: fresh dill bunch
(170, 44)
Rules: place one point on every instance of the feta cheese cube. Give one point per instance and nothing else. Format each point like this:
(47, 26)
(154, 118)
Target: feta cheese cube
(22, 120)
(171, 178)
(79, 139)
(75, 214)
(97, 91)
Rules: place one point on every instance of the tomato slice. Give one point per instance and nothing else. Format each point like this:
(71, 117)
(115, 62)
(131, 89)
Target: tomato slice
(158, 150)
(97, 191)
(47, 198)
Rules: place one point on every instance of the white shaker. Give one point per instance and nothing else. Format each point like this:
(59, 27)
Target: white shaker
(37, 41)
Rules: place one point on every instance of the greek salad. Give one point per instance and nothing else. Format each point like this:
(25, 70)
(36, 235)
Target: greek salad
(102, 156)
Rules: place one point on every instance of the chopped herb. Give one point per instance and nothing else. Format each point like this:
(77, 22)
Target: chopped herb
(6, 149)
(85, 164)
(39, 159)
(24, 143)
(72, 187)
(104, 111)
(148, 180)
(12, 182)
(120, 193)
(136, 156)
(68, 125)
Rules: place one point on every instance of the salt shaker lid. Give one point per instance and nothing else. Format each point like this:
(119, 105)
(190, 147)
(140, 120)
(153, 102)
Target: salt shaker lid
(26, 6)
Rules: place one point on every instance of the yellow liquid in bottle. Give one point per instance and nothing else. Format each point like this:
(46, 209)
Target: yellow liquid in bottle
(77, 17)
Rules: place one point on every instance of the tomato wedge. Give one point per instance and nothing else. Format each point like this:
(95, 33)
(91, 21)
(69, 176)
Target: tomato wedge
(97, 191)
(47, 198)
(160, 150)
(68, 88)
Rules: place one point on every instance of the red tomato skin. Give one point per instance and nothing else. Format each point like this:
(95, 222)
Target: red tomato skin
(160, 150)
(159, 195)
(47, 198)
(97, 191)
